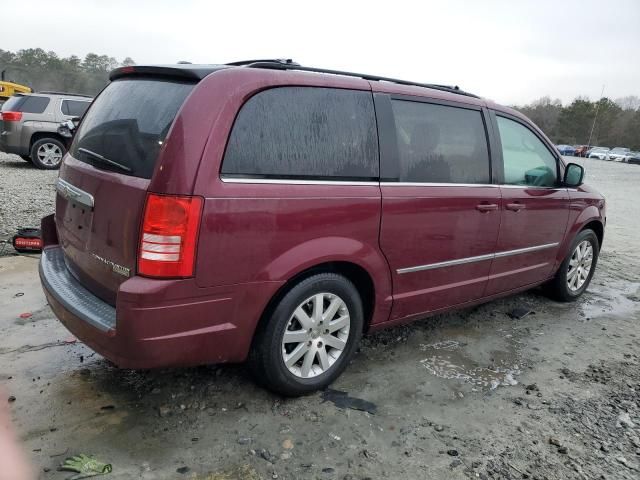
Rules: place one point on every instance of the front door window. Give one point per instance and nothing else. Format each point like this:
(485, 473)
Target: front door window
(527, 161)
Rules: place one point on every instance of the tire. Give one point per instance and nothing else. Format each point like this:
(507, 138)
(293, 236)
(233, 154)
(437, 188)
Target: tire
(26, 158)
(295, 312)
(560, 288)
(47, 153)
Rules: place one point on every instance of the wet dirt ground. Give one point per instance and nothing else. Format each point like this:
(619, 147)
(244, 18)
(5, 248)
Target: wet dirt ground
(470, 394)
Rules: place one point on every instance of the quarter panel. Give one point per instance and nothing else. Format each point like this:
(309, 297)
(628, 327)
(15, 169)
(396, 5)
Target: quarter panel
(271, 232)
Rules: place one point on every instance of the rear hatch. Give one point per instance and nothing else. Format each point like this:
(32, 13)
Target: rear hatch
(104, 180)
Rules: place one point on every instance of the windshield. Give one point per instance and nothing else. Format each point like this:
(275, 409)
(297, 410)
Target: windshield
(126, 125)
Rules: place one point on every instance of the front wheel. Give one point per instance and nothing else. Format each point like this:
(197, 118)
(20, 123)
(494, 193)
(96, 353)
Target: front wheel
(576, 271)
(310, 337)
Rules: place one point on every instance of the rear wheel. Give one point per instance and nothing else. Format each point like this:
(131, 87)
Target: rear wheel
(576, 271)
(310, 337)
(47, 153)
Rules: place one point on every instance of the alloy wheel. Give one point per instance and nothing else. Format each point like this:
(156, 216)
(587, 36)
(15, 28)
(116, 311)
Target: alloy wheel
(316, 335)
(49, 154)
(579, 265)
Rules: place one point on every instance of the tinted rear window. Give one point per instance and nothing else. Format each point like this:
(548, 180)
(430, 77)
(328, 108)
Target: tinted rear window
(128, 123)
(26, 104)
(12, 103)
(304, 132)
(74, 108)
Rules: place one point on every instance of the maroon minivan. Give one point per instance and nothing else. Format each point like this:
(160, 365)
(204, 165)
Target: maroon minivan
(269, 212)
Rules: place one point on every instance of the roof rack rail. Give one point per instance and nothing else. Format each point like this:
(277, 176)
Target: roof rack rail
(288, 64)
(278, 61)
(47, 92)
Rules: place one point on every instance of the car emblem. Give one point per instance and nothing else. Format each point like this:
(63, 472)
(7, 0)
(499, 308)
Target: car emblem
(119, 269)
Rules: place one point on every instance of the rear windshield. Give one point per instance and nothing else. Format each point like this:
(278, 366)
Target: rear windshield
(124, 129)
(26, 104)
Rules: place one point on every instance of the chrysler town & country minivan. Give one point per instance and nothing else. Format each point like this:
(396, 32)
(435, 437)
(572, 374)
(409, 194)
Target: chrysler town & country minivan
(269, 212)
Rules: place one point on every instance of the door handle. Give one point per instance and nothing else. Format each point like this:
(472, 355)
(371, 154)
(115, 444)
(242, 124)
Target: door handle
(486, 207)
(515, 207)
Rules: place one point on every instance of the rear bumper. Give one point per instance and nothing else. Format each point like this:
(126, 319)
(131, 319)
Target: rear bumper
(10, 143)
(157, 323)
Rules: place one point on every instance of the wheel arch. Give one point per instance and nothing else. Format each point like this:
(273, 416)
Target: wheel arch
(355, 273)
(589, 218)
(598, 229)
(41, 135)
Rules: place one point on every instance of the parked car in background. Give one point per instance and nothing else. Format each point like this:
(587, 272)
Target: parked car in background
(632, 157)
(581, 150)
(303, 209)
(29, 125)
(598, 152)
(566, 150)
(618, 154)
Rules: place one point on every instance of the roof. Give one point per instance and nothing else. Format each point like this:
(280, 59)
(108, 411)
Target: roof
(198, 72)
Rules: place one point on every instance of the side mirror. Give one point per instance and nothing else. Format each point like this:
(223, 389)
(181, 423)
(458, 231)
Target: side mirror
(573, 175)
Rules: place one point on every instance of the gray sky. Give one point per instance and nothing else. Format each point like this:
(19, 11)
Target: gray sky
(509, 51)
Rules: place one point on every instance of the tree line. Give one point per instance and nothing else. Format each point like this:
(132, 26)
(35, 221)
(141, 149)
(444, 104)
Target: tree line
(617, 123)
(44, 71)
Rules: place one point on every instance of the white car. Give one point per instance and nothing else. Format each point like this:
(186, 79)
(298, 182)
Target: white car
(618, 154)
(601, 153)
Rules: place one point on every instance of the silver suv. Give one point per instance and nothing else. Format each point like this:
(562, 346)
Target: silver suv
(29, 125)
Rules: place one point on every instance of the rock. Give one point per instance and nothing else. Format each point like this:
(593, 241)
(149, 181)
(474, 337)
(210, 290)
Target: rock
(328, 470)
(438, 428)
(453, 452)
(455, 463)
(624, 420)
(164, 410)
(11, 399)
(562, 450)
(532, 388)
(287, 444)
(554, 441)
(245, 440)
(266, 454)
(183, 470)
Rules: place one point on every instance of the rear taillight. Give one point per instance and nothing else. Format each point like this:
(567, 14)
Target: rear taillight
(169, 236)
(11, 116)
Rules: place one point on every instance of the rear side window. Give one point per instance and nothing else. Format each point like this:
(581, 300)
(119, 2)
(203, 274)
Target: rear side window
(127, 124)
(305, 132)
(26, 104)
(440, 144)
(74, 108)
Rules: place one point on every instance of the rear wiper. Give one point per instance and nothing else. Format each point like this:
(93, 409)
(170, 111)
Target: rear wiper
(97, 156)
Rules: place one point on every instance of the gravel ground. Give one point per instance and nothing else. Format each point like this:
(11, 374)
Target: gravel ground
(27, 195)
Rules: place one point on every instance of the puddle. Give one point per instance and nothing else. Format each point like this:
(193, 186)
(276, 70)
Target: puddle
(449, 360)
(604, 299)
